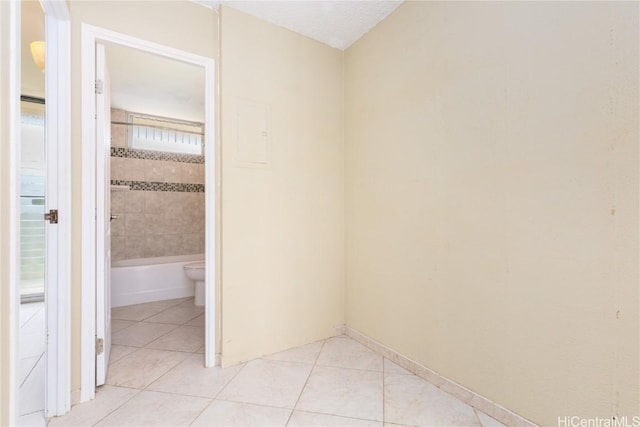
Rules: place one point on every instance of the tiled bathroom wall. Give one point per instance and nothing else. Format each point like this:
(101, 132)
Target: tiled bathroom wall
(164, 212)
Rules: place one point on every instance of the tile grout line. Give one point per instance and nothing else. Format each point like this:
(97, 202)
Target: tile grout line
(294, 409)
(31, 370)
(132, 388)
(126, 327)
(156, 323)
(117, 407)
(453, 389)
(161, 311)
(475, 411)
(384, 419)
(315, 362)
(169, 308)
(165, 323)
(146, 388)
(31, 413)
(211, 400)
(164, 335)
(137, 390)
(232, 378)
(218, 393)
(41, 331)
(122, 358)
(339, 416)
(200, 413)
(154, 314)
(153, 340)
(171, 393)
(146, 348)
(354, 369)
(30, 317)
(262, 405)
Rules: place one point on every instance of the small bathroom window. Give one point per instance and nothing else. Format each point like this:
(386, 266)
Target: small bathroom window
(165, 134)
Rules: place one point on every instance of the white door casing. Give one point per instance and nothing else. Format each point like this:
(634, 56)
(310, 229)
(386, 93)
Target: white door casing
(58, 196)
(103, 216)
(9, 193)
(58, 120)
(91, 154)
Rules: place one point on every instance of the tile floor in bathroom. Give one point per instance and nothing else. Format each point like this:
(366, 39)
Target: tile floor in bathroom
(156, 377)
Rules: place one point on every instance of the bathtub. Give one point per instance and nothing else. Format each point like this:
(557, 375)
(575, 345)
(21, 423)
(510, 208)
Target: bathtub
(150, 279)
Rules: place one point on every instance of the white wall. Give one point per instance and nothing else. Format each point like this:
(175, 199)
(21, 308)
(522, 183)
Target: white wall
(492, 199)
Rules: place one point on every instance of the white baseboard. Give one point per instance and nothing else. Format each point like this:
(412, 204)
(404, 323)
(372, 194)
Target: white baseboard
(471, 398)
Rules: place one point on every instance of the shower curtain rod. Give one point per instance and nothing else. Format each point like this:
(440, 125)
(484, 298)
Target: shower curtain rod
(156, 127)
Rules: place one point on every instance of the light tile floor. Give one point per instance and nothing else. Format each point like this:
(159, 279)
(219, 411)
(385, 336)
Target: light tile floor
(31, 364)
(156, 377)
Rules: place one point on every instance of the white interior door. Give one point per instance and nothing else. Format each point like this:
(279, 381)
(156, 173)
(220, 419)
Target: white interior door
(103, 216)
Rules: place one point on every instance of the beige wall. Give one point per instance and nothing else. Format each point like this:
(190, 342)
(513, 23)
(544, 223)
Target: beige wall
(282, 225)
(492, 199)
(179, 24)
(491, 184)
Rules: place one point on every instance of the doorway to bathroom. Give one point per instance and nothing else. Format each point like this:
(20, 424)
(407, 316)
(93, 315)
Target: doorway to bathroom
(151, 158)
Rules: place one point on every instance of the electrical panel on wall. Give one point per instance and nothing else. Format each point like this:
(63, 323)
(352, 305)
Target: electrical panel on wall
(252, 134)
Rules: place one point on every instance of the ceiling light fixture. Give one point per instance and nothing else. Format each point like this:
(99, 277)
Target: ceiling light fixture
(37, 51)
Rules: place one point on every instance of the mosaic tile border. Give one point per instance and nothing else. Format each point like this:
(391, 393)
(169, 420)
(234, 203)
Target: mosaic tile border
(133, 153)
(160, 186)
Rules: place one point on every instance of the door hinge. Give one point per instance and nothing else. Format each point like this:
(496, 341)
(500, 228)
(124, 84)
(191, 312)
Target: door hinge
(99, 345)
(52, 216)
(99, 87)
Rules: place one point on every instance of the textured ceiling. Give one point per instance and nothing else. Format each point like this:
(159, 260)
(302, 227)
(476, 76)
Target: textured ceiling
(336, 23)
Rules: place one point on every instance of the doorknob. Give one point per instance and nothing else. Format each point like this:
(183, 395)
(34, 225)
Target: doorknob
(52, 216)
(114, 217)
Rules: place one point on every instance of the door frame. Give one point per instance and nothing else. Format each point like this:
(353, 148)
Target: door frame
(58, 196)
(90, 36)
(58, 145)
(9, 191)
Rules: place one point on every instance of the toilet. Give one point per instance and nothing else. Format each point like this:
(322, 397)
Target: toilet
(195, 272)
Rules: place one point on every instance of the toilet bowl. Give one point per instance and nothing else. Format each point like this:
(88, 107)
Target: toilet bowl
(195, 272)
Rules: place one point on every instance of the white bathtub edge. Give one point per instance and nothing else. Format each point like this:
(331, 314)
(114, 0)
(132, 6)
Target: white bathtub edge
(151, 295)
(159, 260)
(142, 283)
